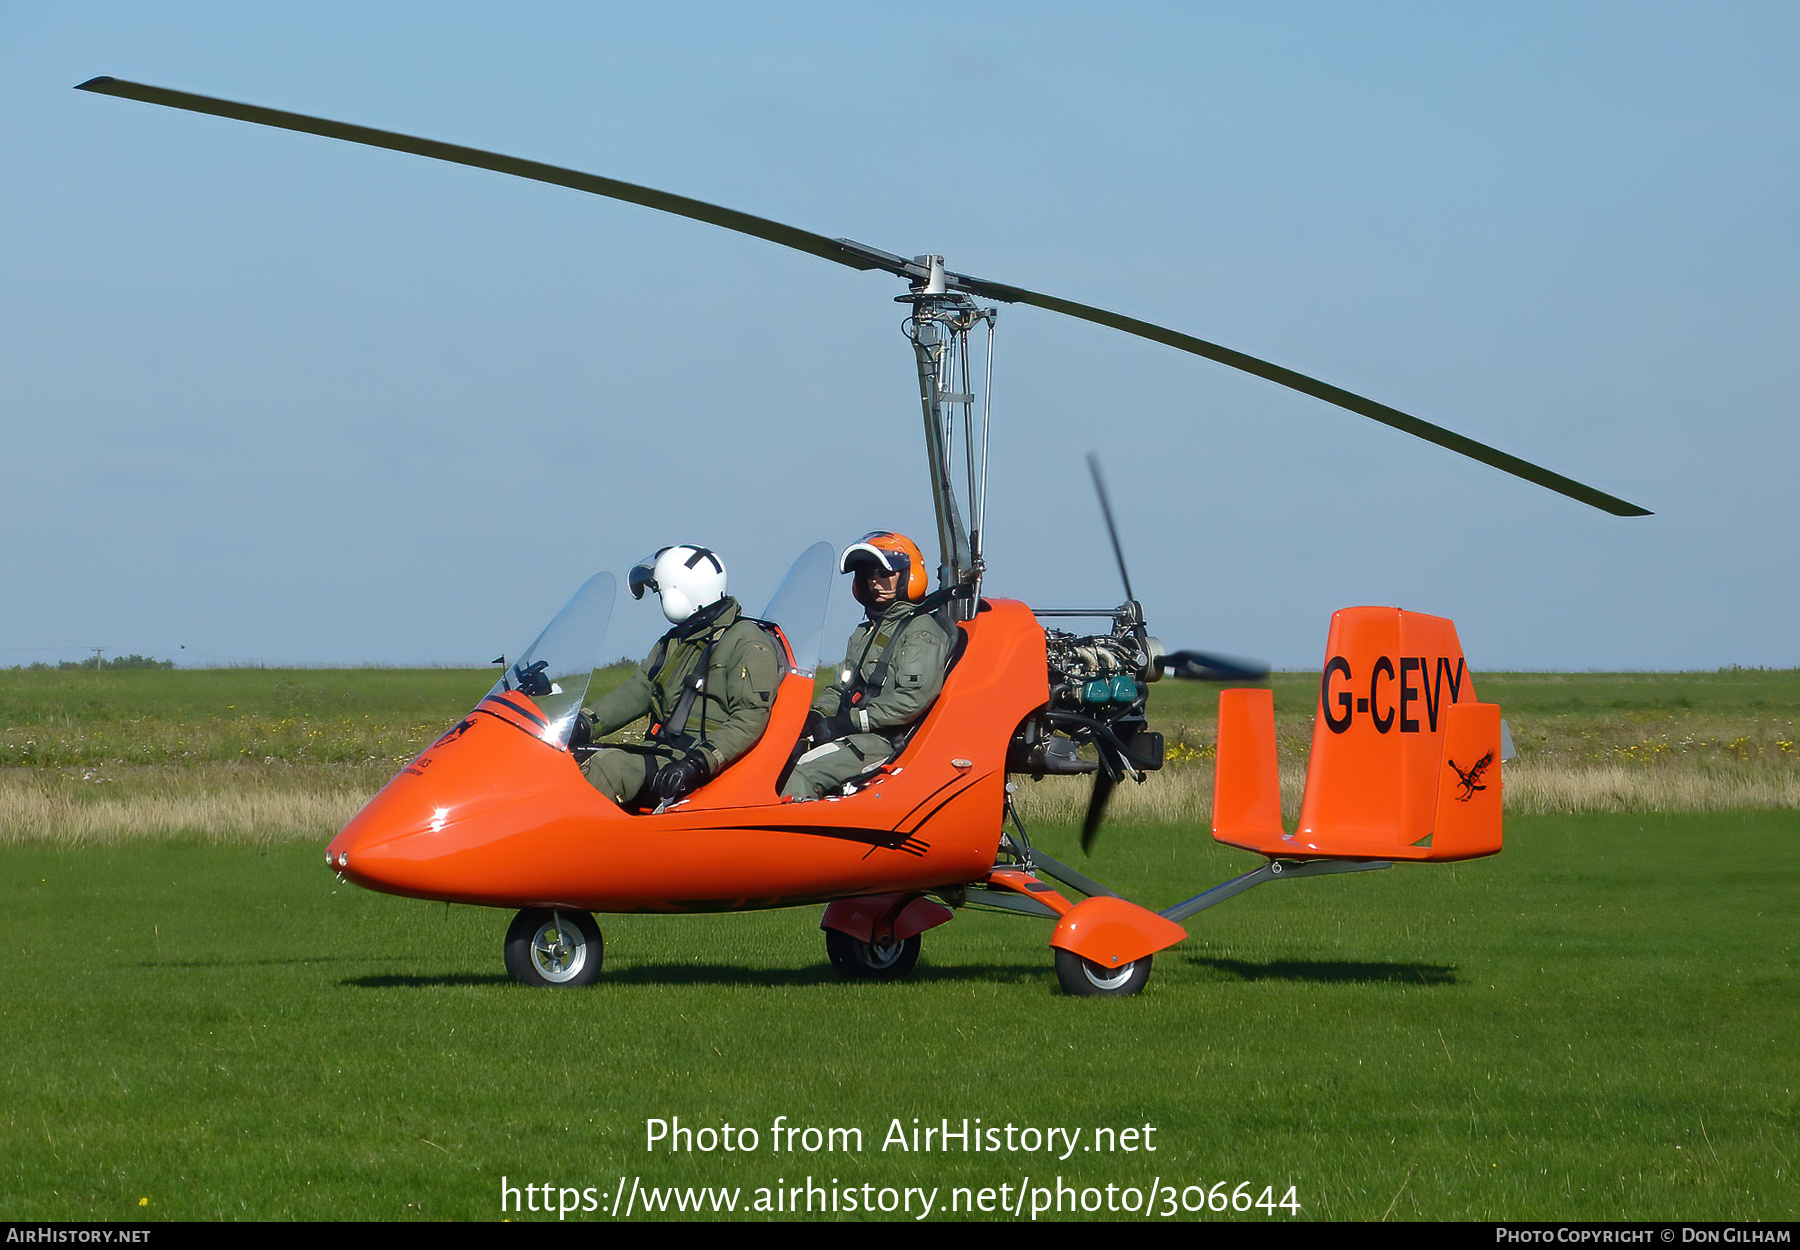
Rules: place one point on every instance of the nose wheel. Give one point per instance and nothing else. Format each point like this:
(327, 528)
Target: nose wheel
(554, 948)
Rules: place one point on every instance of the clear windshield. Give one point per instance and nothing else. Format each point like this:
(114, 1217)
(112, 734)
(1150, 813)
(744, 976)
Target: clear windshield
(554, 670)
(800, 601)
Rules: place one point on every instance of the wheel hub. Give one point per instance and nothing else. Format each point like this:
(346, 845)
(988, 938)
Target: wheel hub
(1107, 978)
(557, 958)
(882, 954)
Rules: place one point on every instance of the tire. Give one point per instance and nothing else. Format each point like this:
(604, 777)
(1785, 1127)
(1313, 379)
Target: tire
(1085, 978)
(868, 961)
(556, 949)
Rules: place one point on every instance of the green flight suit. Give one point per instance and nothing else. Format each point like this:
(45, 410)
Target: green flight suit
(879, 721)
(726, 718)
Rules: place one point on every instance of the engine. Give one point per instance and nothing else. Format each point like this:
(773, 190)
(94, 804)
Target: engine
(1099, 684)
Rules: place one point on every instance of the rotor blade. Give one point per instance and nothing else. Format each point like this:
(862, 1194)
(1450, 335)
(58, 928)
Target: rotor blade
(1106, 511)
(1207, 666)
(861, 256)
(1096, 809)
(1307, 386)
(844, 252)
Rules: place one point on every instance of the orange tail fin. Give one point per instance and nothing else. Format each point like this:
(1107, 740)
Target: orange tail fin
(1405, 763)
(1247, 782)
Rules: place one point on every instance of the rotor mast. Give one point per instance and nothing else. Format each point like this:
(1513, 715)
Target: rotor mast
(939, 332)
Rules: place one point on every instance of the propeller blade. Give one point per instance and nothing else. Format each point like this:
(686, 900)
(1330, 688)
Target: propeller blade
(1449, 439)
(1112, 529)
(1206, 666)
(861, 256)
(856, 256)
(1096, 809)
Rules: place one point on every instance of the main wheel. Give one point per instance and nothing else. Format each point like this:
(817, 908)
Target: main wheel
(1083, 976)
(556, 948)
(874, 961)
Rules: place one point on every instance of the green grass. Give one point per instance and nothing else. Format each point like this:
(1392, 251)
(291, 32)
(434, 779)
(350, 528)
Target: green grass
(192, 717)
(1729, 717)
(309, 717)
(200, 716)
(1598, 1024)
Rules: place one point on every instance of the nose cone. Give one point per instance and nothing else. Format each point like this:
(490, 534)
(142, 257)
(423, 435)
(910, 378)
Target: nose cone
(392, 831)
(466, 821)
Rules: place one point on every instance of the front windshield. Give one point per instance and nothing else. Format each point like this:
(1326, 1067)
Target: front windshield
(799, 604)
(555, 669)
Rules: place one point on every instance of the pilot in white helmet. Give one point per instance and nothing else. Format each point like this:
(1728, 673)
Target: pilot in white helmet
(707, 686)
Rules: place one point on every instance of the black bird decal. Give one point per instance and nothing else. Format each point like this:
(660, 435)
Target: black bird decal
(1471, 780)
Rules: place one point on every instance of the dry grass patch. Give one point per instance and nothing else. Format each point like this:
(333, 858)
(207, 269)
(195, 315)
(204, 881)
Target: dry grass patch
(267, 804)
(1557, 787)
(245, 805)
(1183, 793)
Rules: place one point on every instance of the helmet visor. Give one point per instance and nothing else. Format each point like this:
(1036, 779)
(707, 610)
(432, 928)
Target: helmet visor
(860, 554)
(643, 575)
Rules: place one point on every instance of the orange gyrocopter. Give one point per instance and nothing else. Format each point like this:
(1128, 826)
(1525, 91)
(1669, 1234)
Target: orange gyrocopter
(1406, 764)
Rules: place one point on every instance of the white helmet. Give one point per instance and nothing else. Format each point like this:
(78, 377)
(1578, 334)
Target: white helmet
(687, 577)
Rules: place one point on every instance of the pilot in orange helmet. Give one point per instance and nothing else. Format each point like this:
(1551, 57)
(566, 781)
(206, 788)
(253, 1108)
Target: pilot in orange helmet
(891, 673)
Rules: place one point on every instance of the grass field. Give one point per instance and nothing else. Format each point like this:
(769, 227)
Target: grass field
(83, 718)
(273, 754)
(1599, 1023)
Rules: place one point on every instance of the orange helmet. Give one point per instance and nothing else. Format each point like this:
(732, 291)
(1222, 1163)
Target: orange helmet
(892, 553)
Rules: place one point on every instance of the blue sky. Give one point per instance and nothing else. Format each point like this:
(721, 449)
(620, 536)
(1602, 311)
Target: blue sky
(275, 398)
